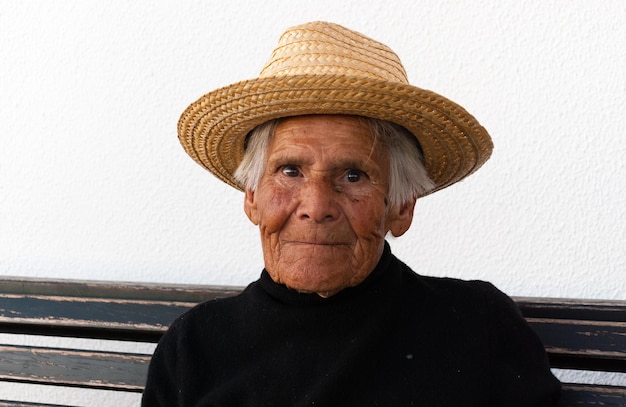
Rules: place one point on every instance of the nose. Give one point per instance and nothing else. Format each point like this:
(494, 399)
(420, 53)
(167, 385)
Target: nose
(318, 201)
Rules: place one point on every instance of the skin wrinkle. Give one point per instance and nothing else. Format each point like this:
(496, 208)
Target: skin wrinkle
(320, 232)
(374, 137)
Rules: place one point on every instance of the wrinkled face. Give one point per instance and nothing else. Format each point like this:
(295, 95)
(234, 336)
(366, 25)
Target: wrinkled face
(321, 204)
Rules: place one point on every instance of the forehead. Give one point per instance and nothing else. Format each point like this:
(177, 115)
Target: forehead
(324, 134)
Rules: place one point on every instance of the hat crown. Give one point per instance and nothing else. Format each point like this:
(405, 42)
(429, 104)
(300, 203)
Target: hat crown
(321, 48)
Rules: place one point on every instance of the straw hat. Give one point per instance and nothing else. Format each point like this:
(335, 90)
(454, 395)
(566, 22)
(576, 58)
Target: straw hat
(324, 68)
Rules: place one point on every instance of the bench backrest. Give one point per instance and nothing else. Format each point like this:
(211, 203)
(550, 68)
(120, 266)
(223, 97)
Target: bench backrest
(582, 335)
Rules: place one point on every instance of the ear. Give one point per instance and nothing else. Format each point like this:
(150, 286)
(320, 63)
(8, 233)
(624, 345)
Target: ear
(399, 219)
(250, 207)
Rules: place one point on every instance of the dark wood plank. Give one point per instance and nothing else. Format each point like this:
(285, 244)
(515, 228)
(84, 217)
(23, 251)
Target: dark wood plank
(572, 309)
(74, 368)
(7, 403)
(136, 320)
(587, 345)
(579, 334)
(108, 289)
(96, 309)
(583, 395)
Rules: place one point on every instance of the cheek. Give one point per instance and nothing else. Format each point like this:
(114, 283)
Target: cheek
(276, 207)
(367, 215)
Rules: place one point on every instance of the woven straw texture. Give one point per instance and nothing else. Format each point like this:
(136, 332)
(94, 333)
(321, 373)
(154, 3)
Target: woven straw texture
(323, 68)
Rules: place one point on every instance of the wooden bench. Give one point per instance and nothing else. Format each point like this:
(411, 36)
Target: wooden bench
(578, 334)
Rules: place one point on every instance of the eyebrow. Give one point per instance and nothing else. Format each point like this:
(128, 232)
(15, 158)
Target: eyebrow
(340, 164)
(287, 159)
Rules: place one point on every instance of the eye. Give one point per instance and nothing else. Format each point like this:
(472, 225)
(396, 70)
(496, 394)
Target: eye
(290, 171)
(354, 175)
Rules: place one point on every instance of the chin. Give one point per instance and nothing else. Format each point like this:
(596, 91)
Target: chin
(325, 287)
(314, 287)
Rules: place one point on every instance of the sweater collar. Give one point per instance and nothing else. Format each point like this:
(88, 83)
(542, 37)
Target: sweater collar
(373, 283)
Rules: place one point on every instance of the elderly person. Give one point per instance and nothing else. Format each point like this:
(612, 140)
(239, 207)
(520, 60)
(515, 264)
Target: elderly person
(332, 147)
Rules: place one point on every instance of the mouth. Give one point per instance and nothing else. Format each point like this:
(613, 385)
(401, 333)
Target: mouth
(315, 243)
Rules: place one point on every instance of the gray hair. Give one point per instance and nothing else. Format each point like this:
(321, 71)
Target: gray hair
(408, 179)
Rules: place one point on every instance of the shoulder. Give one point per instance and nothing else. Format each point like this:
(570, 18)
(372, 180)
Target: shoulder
(215, 312)
(454, 291)
(208, 321)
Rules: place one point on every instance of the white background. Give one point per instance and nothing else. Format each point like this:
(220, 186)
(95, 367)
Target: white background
(94, 185)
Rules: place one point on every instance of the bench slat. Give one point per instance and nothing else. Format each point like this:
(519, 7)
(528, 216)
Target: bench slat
(97, 309)
(7, 403)
(120, 319)
(114, 371)
(587, 345)
(580, 395)
(572, 309)
(74, 368)
(106, 289)
(579, 334)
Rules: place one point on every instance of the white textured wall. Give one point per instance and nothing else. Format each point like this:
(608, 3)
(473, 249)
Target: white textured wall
(93, 183)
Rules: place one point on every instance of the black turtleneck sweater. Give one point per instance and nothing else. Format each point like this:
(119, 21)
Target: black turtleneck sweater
(397, 339)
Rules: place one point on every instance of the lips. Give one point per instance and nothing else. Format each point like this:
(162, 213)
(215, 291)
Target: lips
(315, 243)
(328, 237)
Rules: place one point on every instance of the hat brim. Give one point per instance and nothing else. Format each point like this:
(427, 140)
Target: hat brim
(213, 129)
